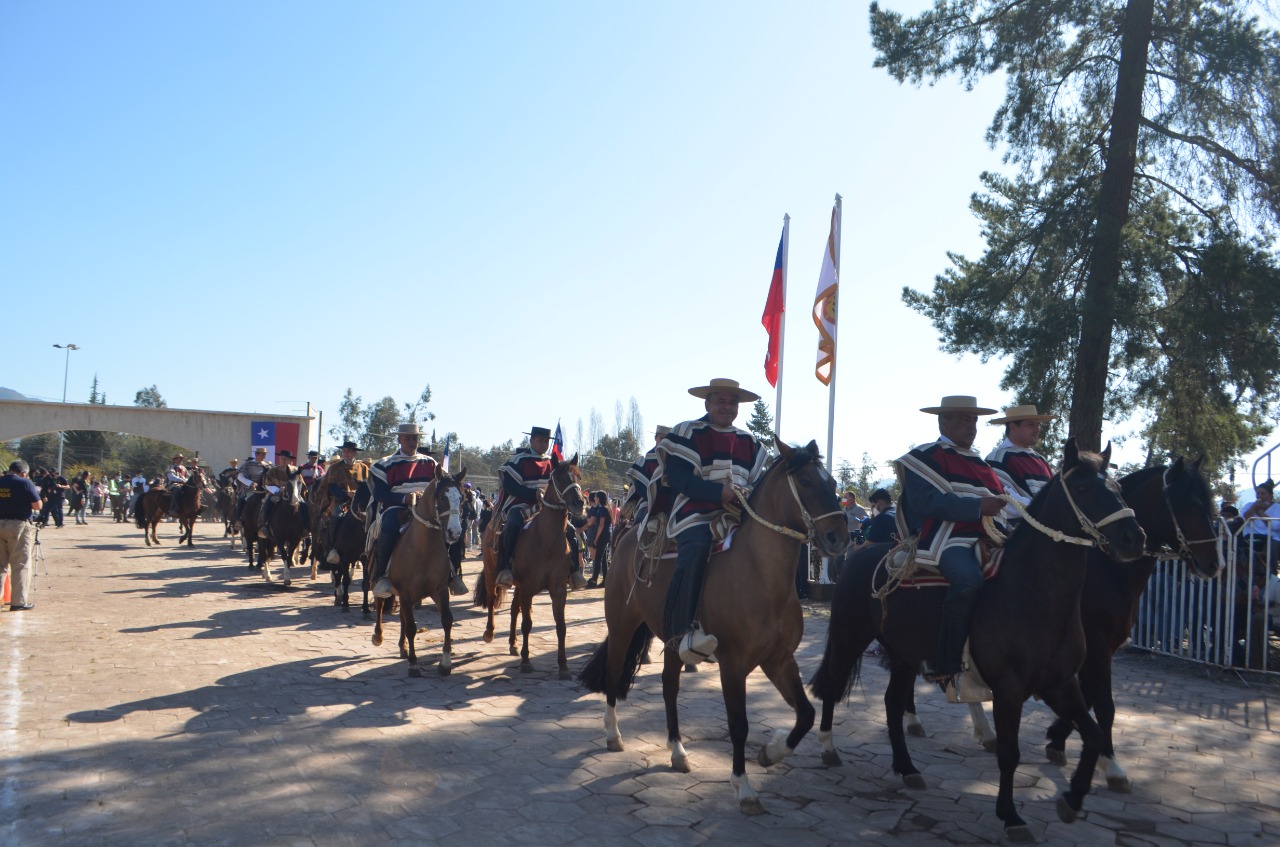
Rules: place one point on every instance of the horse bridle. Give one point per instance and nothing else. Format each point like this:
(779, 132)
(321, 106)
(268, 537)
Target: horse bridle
(1093, 529)
(810, 523)
(563, 505)
(1184, 545)
(440, 516)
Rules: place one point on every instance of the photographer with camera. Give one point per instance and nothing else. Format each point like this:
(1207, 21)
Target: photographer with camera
(18, 499)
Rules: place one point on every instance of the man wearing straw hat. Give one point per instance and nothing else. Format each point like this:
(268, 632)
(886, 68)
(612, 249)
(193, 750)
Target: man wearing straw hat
(392, 479)
(1022, 470)
(339, 487)
(701, 461)
(947, 489)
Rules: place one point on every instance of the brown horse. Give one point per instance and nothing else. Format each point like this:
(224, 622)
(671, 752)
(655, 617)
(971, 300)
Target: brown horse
(749, 602)
(420, 566)
(541, 562)
(189, 505)
(153, 507)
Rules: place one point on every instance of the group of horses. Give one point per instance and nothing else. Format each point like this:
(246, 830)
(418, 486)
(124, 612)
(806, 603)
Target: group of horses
(1047, 623)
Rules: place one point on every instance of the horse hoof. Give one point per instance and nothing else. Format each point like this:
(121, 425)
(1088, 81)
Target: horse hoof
(1055, 756)
(751, 806)
(513, 651)
(831, 758)
(564, 674)
(614, 745)
(445, 670)
(913, 780)
(1120, 784)
(1066, 814)
(990, 745)
(377, 640)
(488, 638)
(915, 729)
(526, 666)
(1019, 834)
(415, 671)
(680, 765)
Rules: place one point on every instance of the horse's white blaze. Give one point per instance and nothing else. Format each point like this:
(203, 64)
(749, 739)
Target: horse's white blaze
(1112, 768)
(777, 750)
(453, 531)
(828, 745)
(982, 730)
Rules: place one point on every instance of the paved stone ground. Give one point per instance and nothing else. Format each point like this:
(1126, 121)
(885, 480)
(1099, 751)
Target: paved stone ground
(168, 697)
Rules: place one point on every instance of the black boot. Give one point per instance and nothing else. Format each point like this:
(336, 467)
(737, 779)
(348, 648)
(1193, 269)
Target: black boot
(506, 550)
(957, 612)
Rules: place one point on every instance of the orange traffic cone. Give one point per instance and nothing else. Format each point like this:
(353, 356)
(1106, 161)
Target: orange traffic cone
(5, 597)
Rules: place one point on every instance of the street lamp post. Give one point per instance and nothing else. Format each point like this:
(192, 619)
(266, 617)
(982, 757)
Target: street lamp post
(65, 370)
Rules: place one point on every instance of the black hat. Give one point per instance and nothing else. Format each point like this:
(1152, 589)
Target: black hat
(313, 452)
(349, 445)
(535, 431)
(285, 453)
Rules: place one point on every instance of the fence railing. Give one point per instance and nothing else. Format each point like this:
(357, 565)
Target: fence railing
(1226, 621)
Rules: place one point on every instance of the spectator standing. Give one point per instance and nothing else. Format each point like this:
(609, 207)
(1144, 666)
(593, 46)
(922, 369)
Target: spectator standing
(1260, 535)
(53, 492)
(18, 499)
(599, 533)
(80, 497)
(883, 525)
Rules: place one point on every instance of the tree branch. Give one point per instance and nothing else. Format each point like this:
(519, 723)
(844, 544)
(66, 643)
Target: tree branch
(1210, 146)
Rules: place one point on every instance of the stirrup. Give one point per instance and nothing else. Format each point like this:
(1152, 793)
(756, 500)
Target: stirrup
(457, 586)
(578, 581)
(505, 577)
(691, 652)
(382, 588)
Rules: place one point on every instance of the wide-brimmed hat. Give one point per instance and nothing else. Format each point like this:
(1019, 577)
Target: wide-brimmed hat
(959, 403)
(286, 454)
(661, 431)
(350, 445)
(536, 431)
(233, 460)
(409, 429)
(259, 449)
(720, 385)
(179, 457)
(313, 452)
(1025, 412)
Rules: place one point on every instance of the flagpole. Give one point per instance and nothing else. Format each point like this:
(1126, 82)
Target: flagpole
(835, 342)
(782, 326)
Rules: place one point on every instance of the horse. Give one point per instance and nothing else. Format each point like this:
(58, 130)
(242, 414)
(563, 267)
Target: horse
(420, 566)
(1026, 638)
(152, 507)
(189, 505)
(749, 602)
(287, 525)
(249, 516)
(226, 502)
(541, 562)
(349, 540)
(1173, 505)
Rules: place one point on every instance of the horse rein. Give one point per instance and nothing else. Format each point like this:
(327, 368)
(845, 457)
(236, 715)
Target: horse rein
(563, 505)
(809, 522)
(429, 524)
(1184, 546)
(1096, 539)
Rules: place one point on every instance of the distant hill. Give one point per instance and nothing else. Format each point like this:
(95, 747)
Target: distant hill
(10, 394)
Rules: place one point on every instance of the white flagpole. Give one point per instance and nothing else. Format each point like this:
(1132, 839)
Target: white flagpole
(782, 327)
(835, 342)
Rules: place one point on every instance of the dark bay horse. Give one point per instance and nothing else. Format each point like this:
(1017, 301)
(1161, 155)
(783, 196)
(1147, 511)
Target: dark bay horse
(189, 505)
(541, 562)
(249, 516)
(349, 540)
(226, 502)
(288, 526)
(420, 566)
(1174, 507)
(1026, 637)
(749, 602)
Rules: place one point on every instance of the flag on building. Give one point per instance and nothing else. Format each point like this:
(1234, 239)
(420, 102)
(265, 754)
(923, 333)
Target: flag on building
(774, 308)
(824, 302)
(557, 443)
(275, 436)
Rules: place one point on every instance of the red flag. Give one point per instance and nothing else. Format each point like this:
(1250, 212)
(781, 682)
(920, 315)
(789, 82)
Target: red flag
(774, 307)
(557, 444)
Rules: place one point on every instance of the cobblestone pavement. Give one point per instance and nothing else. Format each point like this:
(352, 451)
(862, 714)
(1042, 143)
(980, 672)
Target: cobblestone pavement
(166, 696)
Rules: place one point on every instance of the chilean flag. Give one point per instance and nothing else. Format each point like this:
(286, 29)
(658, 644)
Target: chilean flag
(557, 444)
(774, 309)
(275, 435)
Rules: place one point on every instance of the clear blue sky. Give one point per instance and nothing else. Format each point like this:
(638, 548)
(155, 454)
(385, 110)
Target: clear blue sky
(537, 209)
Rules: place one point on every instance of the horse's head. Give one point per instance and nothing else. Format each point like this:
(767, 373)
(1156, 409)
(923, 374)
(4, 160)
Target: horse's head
(1188, 518)
(293, 491)
(807, 502)
(445, 494)
(566, 483)
(196, 480)
(1099, 509)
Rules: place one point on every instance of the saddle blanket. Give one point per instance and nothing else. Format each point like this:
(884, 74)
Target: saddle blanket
(720, 546)
(928, 577)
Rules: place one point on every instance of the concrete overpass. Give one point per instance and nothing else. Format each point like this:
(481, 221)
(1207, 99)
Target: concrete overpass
(214, 436)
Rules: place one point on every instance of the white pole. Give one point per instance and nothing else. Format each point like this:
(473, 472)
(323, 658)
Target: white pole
(835, 344)
(782, 327)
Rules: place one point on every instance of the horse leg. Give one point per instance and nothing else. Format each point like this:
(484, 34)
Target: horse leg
(982, 731)
(733, 685)
(557, 612)
(286, 559)
(446, 623)
(910, 719)
(671, 667)
(526, 626)
(1068, 703)
(264, 559)
(1007, 711)
(1104, 708)
(408, 630)
(785, 676)
(377, 621)
(900, 691)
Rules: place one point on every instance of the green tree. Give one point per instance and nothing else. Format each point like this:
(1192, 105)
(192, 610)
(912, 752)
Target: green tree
(1145, 143)
(149, 398)
(381, 420)
(350, 423)
(760, 424)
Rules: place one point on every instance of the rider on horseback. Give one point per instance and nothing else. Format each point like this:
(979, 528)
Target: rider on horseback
(701, 461)
(174, 479)
(274, 478)
(249, 479)
(947, 489)
(1022, 470)
(340, 483)
(312, 471)
(227, 476)
(524, 478)
(635, 508)
(394, 478)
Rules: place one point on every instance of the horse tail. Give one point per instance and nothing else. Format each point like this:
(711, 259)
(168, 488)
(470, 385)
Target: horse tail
(838, 672)
(140, 513)
(480, 597)
(595, 676)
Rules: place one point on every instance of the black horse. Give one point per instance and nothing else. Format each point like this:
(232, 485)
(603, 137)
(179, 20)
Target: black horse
(1174, 507)
(1026, 637)
(349, 540)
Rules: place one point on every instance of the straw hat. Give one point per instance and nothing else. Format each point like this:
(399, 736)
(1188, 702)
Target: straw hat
(661, 431)
(1025, 412)
(724, 386)
(962, 403)
(409, 429)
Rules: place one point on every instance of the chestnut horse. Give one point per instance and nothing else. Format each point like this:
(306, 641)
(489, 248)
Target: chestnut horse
(420, 565)
(749, 602)
(153, 507)
(1026, 637)
(541, 562)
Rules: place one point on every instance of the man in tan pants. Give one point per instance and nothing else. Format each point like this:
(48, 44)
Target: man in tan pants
(18, 497)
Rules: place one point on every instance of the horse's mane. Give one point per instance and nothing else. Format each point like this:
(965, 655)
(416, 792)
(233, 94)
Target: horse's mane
(1140, 477)
(799, 458)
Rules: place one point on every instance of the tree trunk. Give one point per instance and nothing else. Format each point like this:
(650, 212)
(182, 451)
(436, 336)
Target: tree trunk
(1094, 354)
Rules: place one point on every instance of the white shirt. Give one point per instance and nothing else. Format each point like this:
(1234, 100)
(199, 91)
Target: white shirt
(1257, 526)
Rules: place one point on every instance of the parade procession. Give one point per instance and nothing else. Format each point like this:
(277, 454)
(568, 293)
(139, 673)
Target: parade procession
(679, 424)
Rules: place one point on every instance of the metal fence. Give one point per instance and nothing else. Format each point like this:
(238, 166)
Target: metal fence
(1225, 622)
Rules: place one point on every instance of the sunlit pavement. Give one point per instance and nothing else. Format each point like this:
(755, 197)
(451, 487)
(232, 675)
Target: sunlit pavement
(169, 696)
